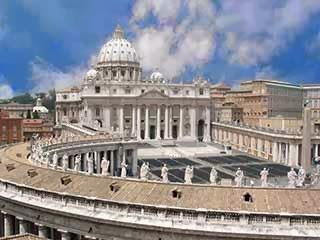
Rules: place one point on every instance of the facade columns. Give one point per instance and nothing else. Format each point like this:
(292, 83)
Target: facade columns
(280, 152)
(181, 123)
(166, 123)
(193, 124)
(207, 137)
(293, 155)
(133, 120)
(97, 160)
(64, 235)
(287, 154)
(316, 150)
(170, 121)
(138, 123)
(146, 128)
(23, 226)
(121, 123)
(42, 232)
(106, 113)
(158, 137)
(112, 162)
(8, 224)
(134, 162)
(259, 147)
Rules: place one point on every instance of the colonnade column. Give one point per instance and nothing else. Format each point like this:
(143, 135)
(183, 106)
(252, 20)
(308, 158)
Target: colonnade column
(192, 112)
(42, 231)
(134, 123)
(158, 137)
(64, 235)
(97, 159)
(8, 224)
(106, 113)
(170, 121)
(207, 137)
(134, 162)
(23, 226)
(286, 159)
(280, 153)
(121, 123)
(316, 150)
(166, 123)
(112, 162)
(181, 123)
(138, 123)
(146, 128)
(293, 155)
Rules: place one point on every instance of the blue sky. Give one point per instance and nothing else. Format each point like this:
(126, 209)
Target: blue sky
(46, 44)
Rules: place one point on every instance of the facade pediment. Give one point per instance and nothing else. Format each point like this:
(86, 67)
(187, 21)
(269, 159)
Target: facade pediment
(153, 94)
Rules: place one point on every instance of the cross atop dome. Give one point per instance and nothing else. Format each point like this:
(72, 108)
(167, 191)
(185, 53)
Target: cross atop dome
(118, 32)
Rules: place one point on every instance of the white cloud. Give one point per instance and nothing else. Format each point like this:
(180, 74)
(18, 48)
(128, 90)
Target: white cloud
(255, 31)
(6, 90)
(182, 36)
(45, 76)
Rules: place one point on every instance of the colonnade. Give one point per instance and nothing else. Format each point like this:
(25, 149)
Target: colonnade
(13, 225)
(280, 150)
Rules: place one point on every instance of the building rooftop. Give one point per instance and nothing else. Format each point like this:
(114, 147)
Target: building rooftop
(214, 198)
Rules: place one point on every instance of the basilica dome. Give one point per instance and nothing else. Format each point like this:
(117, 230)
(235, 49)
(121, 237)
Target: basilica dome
(118, 49)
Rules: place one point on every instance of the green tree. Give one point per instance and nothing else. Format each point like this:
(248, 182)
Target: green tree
(24, 99)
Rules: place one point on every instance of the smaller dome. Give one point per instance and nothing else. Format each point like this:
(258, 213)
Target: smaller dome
(156, 76)
(91, 74)
(39, 107)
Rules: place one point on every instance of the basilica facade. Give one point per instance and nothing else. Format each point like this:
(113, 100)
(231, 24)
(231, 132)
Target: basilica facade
(114, 97)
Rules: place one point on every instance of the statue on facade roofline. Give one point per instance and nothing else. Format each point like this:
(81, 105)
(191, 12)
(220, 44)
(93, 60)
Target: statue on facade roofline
(77, 163)
(264, 177)
(188, 175)
(164, 173)
(301, 177)
(123, 169)
(213, 176)
(292, 177)
(105, 166)
(238, 178)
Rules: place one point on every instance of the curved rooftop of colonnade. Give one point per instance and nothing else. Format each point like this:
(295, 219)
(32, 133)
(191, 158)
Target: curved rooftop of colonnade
(130, 191)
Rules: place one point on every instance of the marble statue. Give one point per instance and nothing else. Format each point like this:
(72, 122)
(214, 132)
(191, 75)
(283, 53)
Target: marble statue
(144, 171)
(65, 162)
(77, 162)
(46, 159)
(264, 177)
(188, 175)
(105, 166)
(238, 178)
(301, 177)
(316, 176)
(164, 173)
(90, 164)
(213, 176)
(124, 169)
(55, 160)
(292, 176)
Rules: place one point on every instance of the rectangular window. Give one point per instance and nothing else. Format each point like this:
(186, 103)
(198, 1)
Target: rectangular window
(142, 90)
(187, 92)
(128, 91)
(64, 112)
(97, 89)
(97, 112)
(123, 73)
(201, 91)
(114, 73)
